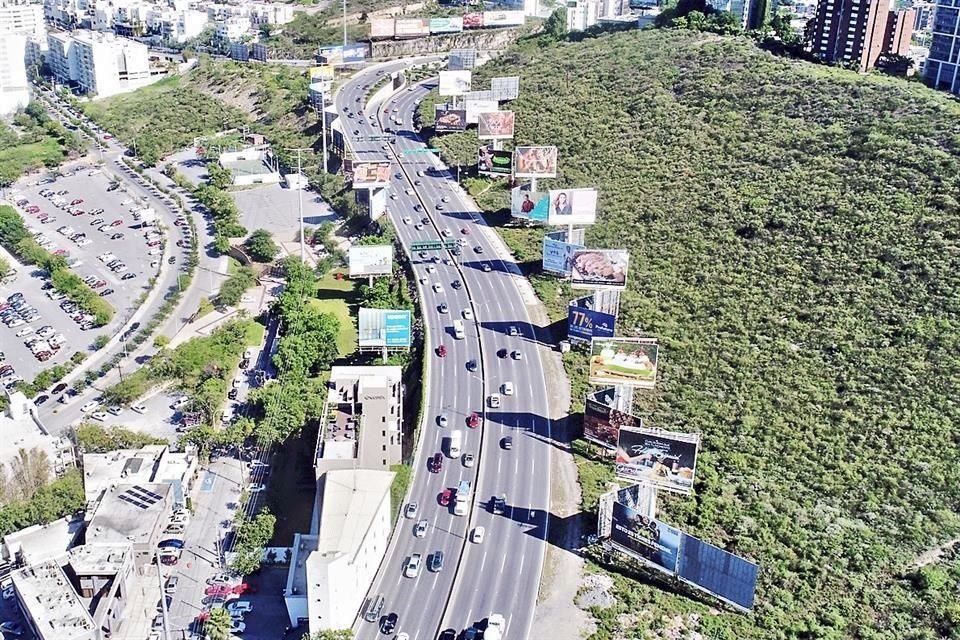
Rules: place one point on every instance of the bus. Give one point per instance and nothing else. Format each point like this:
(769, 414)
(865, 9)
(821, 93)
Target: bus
(458, 329)
(463, 498)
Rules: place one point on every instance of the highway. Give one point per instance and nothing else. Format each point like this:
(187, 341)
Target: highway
(502, 574)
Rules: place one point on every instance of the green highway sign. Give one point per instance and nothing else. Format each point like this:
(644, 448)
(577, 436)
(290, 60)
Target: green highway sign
(425, 150)
(432, 245)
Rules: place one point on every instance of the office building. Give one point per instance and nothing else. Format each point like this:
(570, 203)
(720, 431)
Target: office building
(331, 570)
(99, 64)
(924, 18)
(582, 14)
(942, 69)
(132, 513)
(50, 606)
(25, 19)
(20, 26)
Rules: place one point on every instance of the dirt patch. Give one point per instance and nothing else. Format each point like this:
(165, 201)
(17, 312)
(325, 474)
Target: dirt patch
(596, 591)
(932, 556)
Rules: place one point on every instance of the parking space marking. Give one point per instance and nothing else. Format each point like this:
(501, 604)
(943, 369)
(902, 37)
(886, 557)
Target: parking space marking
(209, 479)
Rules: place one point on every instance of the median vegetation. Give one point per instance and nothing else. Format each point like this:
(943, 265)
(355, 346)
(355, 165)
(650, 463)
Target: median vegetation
(792, 230)
(17, 240)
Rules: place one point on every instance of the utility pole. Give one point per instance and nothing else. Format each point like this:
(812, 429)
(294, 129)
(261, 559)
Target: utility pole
(344, 27)
(303, 240)
(163, 598)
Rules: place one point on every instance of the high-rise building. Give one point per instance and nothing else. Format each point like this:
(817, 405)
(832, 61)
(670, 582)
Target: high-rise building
(942, 69)
(20, 25)
(100, 64)
(899, 31)
(850, 32)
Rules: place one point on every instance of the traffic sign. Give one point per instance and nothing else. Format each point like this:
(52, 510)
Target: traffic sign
(424, 150)
(432, 245)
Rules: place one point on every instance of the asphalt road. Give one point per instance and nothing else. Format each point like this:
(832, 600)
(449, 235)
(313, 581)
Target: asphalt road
(502, 574)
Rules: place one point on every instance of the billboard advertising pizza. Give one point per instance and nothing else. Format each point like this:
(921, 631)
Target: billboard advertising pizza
(502, 18)
(476, 107)
(371, 175)
(370, 260)
(646, 539)
(494, 162)
(600, 269)
(448, 120)
(446, 25)
(472, 20)
(665, 459)
(530, 205)
(535, 162)
(602, 423)
(626, 361)
(558, 253)
(495, 125)
(454, 83)
(573, 206)
(411, 28)
(584, 324)
(381, 28)
(379, 328)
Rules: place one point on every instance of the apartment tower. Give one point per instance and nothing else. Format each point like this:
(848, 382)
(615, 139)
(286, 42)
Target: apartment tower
(942, 70)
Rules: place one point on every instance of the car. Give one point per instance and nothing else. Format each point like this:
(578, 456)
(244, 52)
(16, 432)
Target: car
(170, 587)
(24, 332)
(445, 496)
(435, 563)
(41, 399)
(257, 488)
(220, 589)
(114, 410)
(106, 292)
(90, 406)
(494, 400)
(221, 578)
(456, 284)
(99, 415)
(411, 510)
(474, 420)
(468, 314)
(239, 607)
(437, 287)
(499, 505)
(171, 259)
(435, 463)
(471, 365)
(507, 443)
(442, 351)
(439, 207)
(76, 201)
(233, 393)
(446, 233)
(9, 592)
(389, 623)
(420, 530)
(60, 388)
(128, 276)
(468, 460)
(478, 249)
(237, 626)
(513, 330)
(139, 408)
(442, 420)
(412, 567)
(116, 236)
(443, 308)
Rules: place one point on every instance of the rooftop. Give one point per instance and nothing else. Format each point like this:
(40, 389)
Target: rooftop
(351, 499)
(51, 602)
(40, 542)
(99, 559)
(343, 375)
(130, 466)
(129, 512)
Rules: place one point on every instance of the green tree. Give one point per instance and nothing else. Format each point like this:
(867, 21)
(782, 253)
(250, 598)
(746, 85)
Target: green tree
(252, 539)
(218, 624)
(217, 176)
(261, 247)
(329, 634)
(235, 286)
(556, 24)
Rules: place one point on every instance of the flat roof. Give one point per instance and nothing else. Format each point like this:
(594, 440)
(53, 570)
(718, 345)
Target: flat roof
(49, 598)
(338, 450)
(129, 466)
(43, 542)
(248, 167)
(351, 499)
(99, 559)
(128, 512)
(393, 373)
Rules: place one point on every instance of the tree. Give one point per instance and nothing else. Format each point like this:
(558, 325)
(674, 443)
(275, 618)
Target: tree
(217, 176)
(329, 634)
(252, 539)
(30, 470)
(261, 247)
(556, 24)
(233, 288)
(218, 624)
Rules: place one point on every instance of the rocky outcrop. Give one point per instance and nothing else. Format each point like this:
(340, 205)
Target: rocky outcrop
(488, 40)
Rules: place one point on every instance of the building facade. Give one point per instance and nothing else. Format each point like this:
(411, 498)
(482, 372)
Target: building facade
(850, 32)
(942, 69)
(21, 25)
(899, 31)
(99, 64)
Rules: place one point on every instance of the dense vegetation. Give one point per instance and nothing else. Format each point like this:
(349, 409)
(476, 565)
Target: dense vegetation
(34, 141)
(46, 504)
(794, 246)
(97, 438)
(18, 241)
(252, 537)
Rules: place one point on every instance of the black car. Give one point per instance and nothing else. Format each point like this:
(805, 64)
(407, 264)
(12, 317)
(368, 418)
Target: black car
(41, 399)
(502, 353)
(456, 284)
(60, 388)
(129, 276)
(232, 394)
(106, 292)
(471, 365)
(507, 443)
(447, 634)
(470, 633)
(389, 623)
(499, 505)
(435, 463)
(172, 259)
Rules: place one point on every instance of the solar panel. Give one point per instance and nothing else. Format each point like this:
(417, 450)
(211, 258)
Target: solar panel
(145, 494)
(126, 498)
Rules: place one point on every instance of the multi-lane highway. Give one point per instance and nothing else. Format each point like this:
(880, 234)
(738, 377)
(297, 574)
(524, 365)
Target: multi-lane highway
(501, 574)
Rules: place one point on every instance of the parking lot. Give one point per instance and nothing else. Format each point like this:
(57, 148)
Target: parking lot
(93, 226)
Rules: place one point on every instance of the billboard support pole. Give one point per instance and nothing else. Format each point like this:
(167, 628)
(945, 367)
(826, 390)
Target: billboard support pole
(344, 26)
(533, 185)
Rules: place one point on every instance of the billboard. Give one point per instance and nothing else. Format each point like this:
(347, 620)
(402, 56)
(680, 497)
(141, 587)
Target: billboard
(502, 18)
(572, 206)
(558, 253)
(323, 72)
(472, 20)
(530, 205)
(454, 83)
(446, 25)
(370, 260)
(626, 361)
(652, 541)
(462, 59)
(584, 324)
(664, 459)
(371, 175)
(494, 162)
(479, 95)
(495, 125)
(535, 162)
(476, 107)
(506, 88)
(602, 423)
(379, 328)
(600, 269)
(339, 56)
(449, 120)
(705, 566)
(381, 28)
(411, 28)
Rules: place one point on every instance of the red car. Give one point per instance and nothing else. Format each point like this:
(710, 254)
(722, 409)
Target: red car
(442, 351)
(218, 590)
(117, 222)
(465, 231)
(473, 421)
(75, 202)
(445, 497)
(33, 209)
(244, 587)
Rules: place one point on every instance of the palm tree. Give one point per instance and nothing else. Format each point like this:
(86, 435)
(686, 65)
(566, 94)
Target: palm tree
(218, 625)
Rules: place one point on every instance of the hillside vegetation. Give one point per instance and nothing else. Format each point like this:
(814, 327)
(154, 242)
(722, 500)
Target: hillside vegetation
(794, 239)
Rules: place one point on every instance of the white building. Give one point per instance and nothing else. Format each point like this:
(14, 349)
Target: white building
(99, 64)
(233, 28)
(331, 571)
(271, 13)
(20, 26)
(582, 14)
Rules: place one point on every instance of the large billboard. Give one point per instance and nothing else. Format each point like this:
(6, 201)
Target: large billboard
(476, 107)
(572, 206)
(506, 88)
(558, 253)
(381, 28)
(323, 72)
(371, 175)
(472, 20)
(494, 162)
(652, 541)
(449, 120)
(705, 566)
(462, 59)
(486, 94)
(495, 125)
(371, 260)
(339, 56)
(502, 18)
(378, 328)
(454, 83)
(600, 269)
(411, 28)
(584, 324)
(529, 205)
(446, 25)
(626, 361)
(602, 423)
(535, 162)
(662, 458)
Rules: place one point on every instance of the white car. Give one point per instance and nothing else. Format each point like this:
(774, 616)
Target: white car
(239, 607)
(411, 510)
(139, 408)
(237, 627)
(114, 410)
(412, 568)
(90, 406)
(100, 415)
(468, 314)
(421, 529)
(476, 536)
(27, 330)
(407, 220)
(257, 488)
(447, 233)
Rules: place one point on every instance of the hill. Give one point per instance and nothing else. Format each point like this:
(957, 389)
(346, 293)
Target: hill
(794, 239)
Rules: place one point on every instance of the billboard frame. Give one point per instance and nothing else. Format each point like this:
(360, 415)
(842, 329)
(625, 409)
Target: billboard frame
(658, 445)
(645, 346)
(379, 320)
(533, 161)
(369, 254)
(585, 275)
(570, 207)
(454, 83)
(496, 125)
(380, 171)
(491, 161)
(457, 119)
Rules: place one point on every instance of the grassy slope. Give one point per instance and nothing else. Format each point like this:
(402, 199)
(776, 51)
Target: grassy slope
(794, 246)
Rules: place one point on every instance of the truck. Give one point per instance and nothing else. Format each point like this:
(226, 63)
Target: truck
(458, 329)
(453, 447)
(462, 502)
(495, 627)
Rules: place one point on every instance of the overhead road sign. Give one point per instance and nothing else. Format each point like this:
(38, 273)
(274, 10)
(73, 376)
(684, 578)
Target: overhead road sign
(432, 245)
